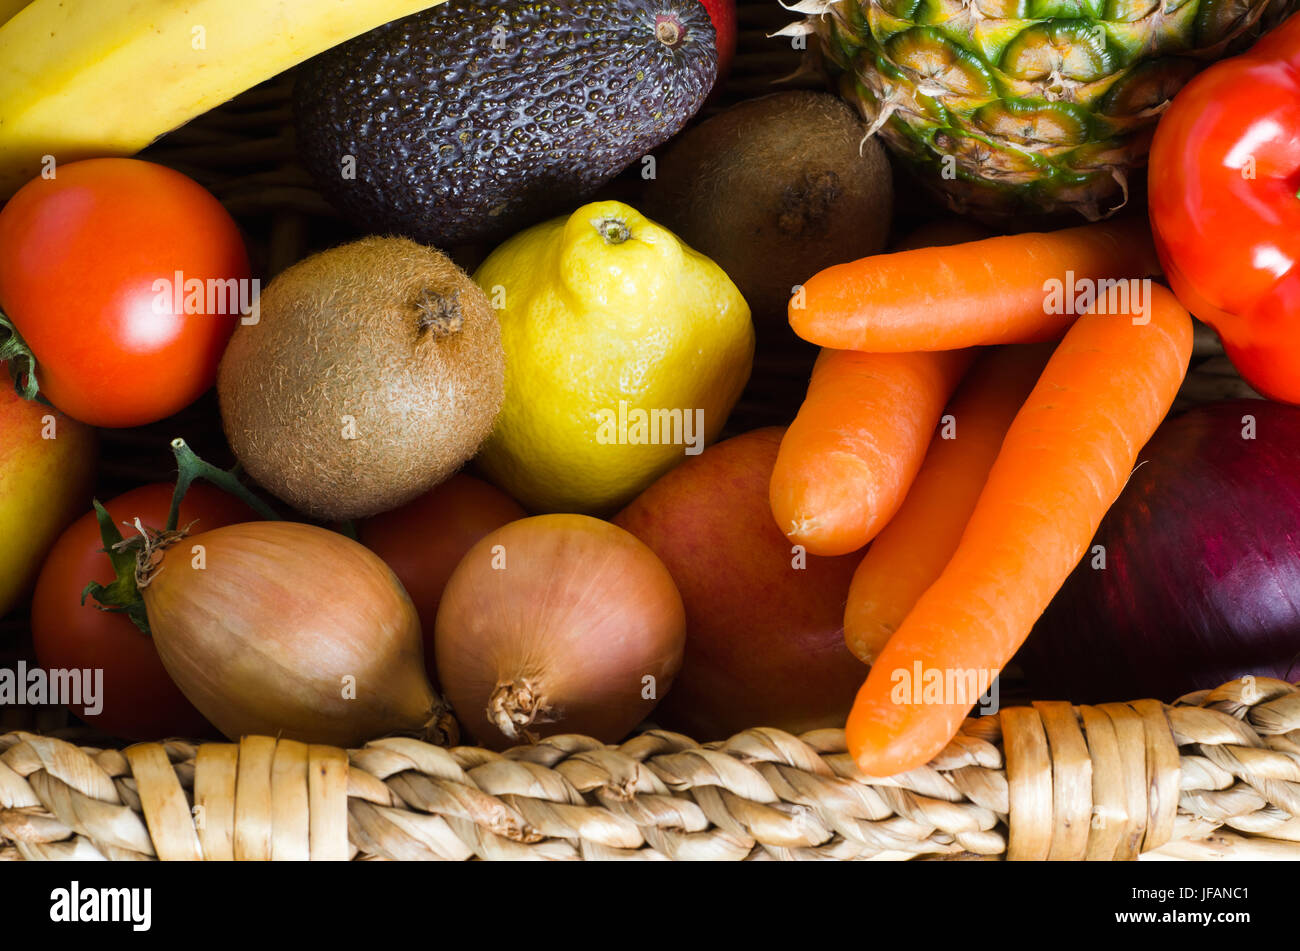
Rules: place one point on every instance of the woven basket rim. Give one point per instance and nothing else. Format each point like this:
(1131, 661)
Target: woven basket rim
(1213, 776)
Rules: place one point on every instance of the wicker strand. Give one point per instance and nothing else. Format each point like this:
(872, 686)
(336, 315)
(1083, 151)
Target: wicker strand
(1215, 775)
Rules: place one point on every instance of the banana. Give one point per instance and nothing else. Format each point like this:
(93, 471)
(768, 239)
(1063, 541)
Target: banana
(9, 7)
(107, 77)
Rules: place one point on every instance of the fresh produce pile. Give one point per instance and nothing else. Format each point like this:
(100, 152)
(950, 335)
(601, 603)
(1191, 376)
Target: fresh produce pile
(482, 491)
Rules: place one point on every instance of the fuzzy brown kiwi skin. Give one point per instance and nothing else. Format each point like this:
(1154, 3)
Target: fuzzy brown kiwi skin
(774, 190)
(385, 331)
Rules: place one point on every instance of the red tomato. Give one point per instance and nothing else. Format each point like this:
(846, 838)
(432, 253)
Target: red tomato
(1225, 167)
(89, 267)
(140, 701)
(425, 539)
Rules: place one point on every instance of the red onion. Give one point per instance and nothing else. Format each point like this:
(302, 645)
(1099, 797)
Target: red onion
(1201, 582)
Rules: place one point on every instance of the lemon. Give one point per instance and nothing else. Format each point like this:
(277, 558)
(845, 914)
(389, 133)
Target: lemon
(625, 352)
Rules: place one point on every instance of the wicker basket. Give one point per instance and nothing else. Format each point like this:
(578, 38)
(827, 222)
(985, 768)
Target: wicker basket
(1214, 775)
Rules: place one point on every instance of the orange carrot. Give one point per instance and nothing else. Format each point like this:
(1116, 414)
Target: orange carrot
(848, 458)
(912, 550)
(1014, 289)
(1063, 463)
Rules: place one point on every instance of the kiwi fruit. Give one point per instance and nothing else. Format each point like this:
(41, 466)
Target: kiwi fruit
(774, 190)
(374, 372)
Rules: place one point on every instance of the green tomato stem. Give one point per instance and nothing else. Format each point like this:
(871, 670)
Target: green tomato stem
(190, 467)
(122, 595)
(21, 362)
(131, 559)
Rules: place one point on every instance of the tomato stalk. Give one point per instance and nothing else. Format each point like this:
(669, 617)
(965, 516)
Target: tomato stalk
(15, 353)
(190, 467)
(122, 595)
(132, 558)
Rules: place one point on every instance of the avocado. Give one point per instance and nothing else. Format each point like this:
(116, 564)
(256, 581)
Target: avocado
(474, 119)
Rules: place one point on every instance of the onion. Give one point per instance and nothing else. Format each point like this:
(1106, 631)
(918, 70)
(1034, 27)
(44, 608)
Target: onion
(289, 630)
(424, 540)
(557, 624)
(1201, 583)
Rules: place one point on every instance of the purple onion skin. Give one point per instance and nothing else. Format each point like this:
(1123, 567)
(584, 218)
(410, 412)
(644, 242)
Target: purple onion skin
(1202, 576)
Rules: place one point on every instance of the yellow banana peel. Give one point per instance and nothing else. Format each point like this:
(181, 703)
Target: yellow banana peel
(108, 77)
(9, 7)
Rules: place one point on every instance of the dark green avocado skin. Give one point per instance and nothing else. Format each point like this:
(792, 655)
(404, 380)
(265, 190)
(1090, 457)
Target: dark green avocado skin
(475, 119)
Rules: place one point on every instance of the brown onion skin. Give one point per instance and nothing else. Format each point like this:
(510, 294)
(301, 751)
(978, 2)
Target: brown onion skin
(582, 612)
(424, 540)
(260, 639)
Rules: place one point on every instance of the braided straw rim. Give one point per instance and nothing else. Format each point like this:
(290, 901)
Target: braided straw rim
(1214, 775)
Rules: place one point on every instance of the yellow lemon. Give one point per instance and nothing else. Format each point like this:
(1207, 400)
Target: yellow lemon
(625, 352)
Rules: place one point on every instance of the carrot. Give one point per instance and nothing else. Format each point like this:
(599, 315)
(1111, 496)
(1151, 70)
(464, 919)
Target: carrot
(912, 550)
(998, 290)
(1062, 464)
(847, 460)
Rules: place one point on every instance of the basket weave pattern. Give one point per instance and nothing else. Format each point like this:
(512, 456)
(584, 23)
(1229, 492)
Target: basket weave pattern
(1215, 775)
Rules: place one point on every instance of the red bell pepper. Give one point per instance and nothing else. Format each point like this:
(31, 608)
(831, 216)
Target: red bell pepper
(1224, 176)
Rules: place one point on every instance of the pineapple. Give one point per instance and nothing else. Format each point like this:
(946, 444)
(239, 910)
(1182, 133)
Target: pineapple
(1015, 106)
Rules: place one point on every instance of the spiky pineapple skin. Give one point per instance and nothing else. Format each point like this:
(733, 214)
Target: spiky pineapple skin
(1013, 107)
